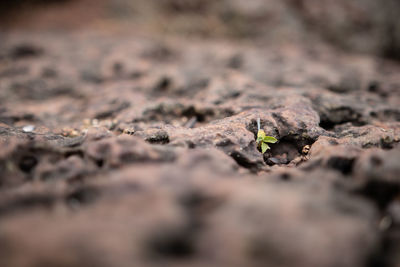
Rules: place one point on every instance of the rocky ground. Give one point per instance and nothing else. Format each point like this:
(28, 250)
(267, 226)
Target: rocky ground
(125, 150)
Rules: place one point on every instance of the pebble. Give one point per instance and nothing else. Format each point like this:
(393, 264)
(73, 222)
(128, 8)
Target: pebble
(306, 149)
(191, 122)
(273, 161)
(129, 131)
(28, 128)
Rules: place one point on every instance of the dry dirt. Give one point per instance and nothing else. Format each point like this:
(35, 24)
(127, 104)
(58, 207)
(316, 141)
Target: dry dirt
(140, 150)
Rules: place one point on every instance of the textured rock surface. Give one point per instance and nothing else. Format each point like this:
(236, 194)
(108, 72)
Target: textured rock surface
(138, 151)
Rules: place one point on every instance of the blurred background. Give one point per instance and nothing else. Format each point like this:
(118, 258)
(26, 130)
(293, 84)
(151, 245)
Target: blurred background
(365, 26)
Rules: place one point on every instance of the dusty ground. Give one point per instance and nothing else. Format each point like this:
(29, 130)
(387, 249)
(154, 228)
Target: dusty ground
(139, 150)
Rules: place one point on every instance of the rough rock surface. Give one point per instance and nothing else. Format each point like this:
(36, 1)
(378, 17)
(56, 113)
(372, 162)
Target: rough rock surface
(134, 151)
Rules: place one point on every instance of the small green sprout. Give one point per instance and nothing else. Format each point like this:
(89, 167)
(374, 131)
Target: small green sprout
(263, 139)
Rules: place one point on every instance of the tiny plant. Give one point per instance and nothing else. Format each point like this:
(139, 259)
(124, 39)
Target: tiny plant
(263, 139)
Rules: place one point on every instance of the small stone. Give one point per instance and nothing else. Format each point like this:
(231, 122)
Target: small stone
(129, 131)
(70, 132)
(191, 122)
(86, 122)
(28, 128)
(306, 149)
(273, 161)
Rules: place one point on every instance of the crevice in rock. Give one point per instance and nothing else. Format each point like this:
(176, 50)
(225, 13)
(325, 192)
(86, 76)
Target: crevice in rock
(113, 108)
(179, 242)
(27, 163)
(20, 165)
(342, 164)
(26, 202)
(339, 116)
(387, 114)
(289, 148)
(99, 163)
(168, 113)
(379, 257)
(83, 195)
(26, 50)
(281, 153)
(171, 244)
(380, 192)
(388, 143)
(75, 152)
(244, 161)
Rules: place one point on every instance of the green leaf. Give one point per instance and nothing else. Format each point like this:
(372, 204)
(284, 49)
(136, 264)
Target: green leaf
(264, 147)
(260, 134)
(270, 139)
